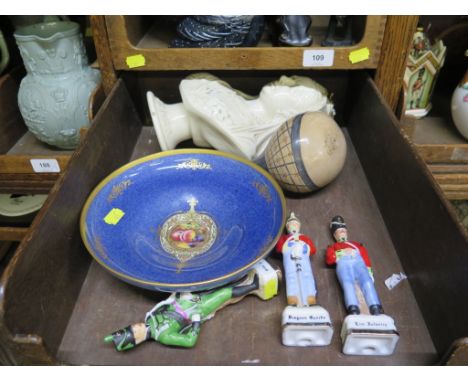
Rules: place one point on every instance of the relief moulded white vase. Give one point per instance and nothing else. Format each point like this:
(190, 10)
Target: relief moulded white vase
(459, 105)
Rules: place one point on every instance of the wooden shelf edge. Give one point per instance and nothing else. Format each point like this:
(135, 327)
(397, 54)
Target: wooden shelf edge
(443, 153)
(21, 164)
(13, 233)
(254, 58)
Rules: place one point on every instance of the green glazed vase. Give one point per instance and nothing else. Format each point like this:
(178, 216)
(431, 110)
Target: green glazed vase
(54, 97)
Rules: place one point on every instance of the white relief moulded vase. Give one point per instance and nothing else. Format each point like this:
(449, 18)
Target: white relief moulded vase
(54, 97)
(459, 105)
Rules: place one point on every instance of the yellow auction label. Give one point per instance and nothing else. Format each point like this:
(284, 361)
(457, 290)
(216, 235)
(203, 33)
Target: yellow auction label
(135, 61)
(114, 216)
(359, 55)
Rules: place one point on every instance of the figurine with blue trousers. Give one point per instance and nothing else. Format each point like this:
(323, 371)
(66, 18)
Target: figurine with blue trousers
(352, 266)
(361, 333)
(304, 322)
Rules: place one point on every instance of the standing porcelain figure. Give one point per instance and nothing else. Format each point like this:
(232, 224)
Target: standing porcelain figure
(297, 249)
(54, 96)
(423, 67)
(362, 334)
(459, 105)
(304, 322)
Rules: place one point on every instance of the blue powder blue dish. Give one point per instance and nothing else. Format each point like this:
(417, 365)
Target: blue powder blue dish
(183, 220)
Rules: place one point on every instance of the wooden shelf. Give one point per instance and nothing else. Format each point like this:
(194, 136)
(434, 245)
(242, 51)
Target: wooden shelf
(382, 209)
(18, 146)
(442, 147)
(131, 35)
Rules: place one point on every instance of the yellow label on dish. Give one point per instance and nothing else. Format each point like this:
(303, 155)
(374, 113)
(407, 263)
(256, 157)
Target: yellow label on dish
(359, 55)
(135, 61)
(114, 216)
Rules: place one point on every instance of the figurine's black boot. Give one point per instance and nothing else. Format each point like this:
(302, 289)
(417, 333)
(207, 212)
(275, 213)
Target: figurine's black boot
(376, 309)
(353, 309)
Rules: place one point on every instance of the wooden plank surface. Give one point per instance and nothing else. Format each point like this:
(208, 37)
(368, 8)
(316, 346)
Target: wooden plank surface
(37, 185)
(13, 233)
(443, 153)
(459, 179)
(251, 330)
(457, 354)
(28, 144)
(104, 54)
(21, 164)
(256, 58)
(12, 126)
(448, 168)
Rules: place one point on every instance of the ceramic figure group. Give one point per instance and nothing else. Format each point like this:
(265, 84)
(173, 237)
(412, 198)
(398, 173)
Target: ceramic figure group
(176, 321)
(423, 66)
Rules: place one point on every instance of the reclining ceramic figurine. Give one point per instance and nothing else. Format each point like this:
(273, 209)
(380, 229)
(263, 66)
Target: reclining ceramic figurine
(214, 114)
(362, 334)
(304, 322)
(176, 321)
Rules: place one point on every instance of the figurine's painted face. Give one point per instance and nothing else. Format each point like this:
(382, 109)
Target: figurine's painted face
(293, 226)
(341, 234)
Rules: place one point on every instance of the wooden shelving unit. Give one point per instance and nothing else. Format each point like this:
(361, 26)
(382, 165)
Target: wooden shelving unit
(135, 35)
(445, 152)
(437, 140)
(384, 190)
(18, 147)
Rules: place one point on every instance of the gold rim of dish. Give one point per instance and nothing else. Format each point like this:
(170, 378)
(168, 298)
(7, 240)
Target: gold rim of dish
(162, 154)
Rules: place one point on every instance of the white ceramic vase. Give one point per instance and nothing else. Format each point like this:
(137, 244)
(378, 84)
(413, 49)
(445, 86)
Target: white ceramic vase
(459, 105)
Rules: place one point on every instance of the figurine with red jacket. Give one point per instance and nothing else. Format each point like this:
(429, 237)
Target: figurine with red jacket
(362, 334)
(296, 249)
(352, 266)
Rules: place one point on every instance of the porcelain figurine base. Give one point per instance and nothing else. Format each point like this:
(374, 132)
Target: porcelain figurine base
(369, 335)
(419, 113)
(306, 326)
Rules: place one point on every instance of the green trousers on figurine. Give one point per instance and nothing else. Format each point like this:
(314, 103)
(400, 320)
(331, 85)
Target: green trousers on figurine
(176, 321)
